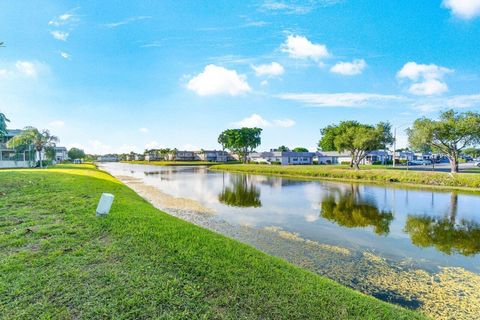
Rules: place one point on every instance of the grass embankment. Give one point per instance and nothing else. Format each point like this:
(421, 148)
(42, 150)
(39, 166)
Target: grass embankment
(57, 260)
(463, 181)
(176, 163)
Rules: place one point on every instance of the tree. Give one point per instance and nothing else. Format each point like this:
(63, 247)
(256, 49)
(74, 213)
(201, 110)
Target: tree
(282, 149)
(3, 124)
(241, 141)
(50, 153)
(31, 136)
(75, 153)
(472, 152)
(450, 134)
(356, 138)
(300, 149)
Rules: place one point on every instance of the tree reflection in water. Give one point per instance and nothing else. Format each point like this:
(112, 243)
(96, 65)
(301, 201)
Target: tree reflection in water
(348, 209)
(444, 233)
(241, 193)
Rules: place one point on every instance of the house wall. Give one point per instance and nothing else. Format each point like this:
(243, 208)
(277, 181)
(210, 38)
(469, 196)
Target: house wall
(14, 164)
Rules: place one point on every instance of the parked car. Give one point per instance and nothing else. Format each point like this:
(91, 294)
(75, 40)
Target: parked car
(422, 162)
(477, 164)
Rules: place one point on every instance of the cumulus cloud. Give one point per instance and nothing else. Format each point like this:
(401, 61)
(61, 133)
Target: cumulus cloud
(299, 47)
(256, 120)
(271, 70)
(346, 99)
(463, 9)
(427, 78)
(60, 35)
(218, 80)
(57, 124)
(27, 68)
(459, 101)
(349, 68)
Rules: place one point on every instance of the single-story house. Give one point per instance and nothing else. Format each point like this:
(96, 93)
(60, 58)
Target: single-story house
(108, 158)
(182, 156)
(283, 158)
(381, 156)
(333, 157)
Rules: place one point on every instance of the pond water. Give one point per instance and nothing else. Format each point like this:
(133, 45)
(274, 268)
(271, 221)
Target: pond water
(417, 248)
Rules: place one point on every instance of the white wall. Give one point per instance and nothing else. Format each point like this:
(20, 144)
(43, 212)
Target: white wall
(14, 164)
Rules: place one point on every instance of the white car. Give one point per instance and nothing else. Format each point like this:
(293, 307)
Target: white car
(421, 162)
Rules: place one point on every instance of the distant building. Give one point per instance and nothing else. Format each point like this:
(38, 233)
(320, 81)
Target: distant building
(61, 154)
(212, 155)
(378, 156)
(283, 158)
(182, 156)
(108, 158)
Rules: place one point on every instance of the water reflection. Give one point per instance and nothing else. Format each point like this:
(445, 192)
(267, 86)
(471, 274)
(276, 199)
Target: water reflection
(241, 192)
(445, 233)
(347, 208)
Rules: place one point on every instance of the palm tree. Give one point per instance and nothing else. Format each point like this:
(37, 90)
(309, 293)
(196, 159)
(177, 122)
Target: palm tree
(32, 136)
(3, 124)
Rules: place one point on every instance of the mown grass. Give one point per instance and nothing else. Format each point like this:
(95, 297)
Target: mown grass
(463, 181)
(176, 163)
(59, 261)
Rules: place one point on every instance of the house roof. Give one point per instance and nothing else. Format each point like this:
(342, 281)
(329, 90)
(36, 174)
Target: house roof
(332, 154)
(282, 154)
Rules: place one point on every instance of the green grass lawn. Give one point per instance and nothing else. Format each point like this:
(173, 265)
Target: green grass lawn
(59, 261)
(177, 163)
(463, 181)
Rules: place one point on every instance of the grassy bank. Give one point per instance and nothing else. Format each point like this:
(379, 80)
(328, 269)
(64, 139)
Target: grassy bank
(57, 260)
(445, 180)
(175, 163)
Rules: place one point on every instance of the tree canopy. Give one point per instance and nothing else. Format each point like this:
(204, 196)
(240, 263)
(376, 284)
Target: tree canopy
(3, 124)
(241, 141)
(472, 152)
(283, 149)
(355, 138)
(300, 149)
(75, 153)
(450, 134)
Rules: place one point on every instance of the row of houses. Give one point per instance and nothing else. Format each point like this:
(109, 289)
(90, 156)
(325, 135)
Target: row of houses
(25, 157)
(179, 155)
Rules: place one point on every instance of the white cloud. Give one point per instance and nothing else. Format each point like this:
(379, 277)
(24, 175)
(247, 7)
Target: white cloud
(126, 21)
(300, 47)
(57, 124)
(98, 147)
(63, 19)
(60, 35)
(460, 101)
(428, 88)
(64, 55)
(27, 68)
(189, 146)
(463, 9)
(272, 69)
(349, 68)
(346, 99)
(143, 130)
(218, 80)
(426, 78)
(256, 120)
(284, 123)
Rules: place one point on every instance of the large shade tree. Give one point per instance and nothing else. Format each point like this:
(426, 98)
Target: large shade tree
(3, 124)
(449, 135)
(241, 193)
(76, 153)
(240, 141)
(355, 138)
(32, 136)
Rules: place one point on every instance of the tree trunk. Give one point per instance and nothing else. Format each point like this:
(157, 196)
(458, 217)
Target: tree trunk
(40, 157)
(357, 166)
(453, 164)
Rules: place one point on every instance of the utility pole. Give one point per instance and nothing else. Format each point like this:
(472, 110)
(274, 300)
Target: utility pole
(394, 145)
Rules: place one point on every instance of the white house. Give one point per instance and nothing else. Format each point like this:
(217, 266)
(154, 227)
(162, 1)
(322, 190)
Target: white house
(211, 155)
(61, 154)
(283, 158)
(333, 157)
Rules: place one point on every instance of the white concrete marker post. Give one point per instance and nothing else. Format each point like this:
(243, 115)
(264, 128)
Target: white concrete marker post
(105, 204)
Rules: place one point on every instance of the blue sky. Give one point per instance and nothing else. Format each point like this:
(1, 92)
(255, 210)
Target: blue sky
(116, 76)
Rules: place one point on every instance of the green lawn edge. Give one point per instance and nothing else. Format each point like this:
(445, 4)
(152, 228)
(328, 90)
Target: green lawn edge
(57, 260)
(467, 182)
